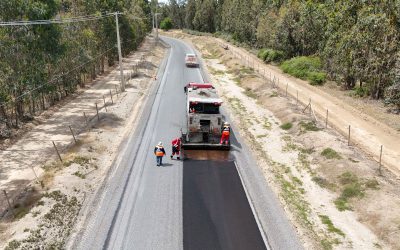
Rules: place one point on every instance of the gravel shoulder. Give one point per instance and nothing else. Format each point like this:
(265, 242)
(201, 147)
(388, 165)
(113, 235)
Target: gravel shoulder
(47, 207)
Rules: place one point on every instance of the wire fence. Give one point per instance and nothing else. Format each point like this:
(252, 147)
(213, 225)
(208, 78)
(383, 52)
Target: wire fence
(302, 100)
(55, 150)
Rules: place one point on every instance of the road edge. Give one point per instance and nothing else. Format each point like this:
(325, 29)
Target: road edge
(88, 209)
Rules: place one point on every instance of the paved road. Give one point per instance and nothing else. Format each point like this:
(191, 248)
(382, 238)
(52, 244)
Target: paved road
(140, 205)
(216, 212)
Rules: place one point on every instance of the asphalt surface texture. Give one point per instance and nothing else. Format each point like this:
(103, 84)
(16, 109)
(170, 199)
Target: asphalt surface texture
(216, 212)
(193, 204)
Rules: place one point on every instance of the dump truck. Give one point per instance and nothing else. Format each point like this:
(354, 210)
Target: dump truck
(204, 120)
(191, 60)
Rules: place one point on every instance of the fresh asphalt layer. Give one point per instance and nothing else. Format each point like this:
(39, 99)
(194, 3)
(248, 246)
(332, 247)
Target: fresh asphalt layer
(216, 212)
(142, 206)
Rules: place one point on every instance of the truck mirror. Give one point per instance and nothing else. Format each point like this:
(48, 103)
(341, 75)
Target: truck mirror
(185, 89)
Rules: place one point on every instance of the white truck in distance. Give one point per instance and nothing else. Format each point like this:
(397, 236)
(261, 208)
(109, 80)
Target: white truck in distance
(191, 60)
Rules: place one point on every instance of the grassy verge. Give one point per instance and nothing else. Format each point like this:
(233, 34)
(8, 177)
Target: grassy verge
(331, 228)
(55, 225)
(352, 188)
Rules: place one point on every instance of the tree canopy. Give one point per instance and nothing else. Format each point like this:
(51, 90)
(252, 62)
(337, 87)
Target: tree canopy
(39, 64)
(358, 41)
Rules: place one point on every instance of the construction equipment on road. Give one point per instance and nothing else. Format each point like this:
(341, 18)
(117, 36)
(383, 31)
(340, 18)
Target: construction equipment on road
(204, 123)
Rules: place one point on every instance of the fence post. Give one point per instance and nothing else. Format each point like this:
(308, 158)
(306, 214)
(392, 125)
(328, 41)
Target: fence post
(105, 106)
(112, 101)
(86, 120)
(58, 153)
(116, 90)
(9, 203)
(72, 132)
(97, 111)
(36, 176)
(309, 104)
(348, 141)
(286, 88)
(326, 120)
(380, 161)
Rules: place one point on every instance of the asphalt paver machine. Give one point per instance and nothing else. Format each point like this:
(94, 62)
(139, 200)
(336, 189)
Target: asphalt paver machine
(204, 121)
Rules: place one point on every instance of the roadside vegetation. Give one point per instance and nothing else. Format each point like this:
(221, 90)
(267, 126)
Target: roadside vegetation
(55, 225)
(271, 55)
(42, 64)
(306, 68)
(354, 43)
(166, 24)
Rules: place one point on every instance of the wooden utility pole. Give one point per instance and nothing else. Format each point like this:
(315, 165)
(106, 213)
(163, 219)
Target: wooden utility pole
(121, 69)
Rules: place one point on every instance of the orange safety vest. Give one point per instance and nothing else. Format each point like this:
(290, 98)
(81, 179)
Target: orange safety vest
(225, 132)
(159, 152)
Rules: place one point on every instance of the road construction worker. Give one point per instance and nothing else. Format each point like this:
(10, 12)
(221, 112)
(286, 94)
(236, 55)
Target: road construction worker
(226, 131)
(176, 148)
(159, 151)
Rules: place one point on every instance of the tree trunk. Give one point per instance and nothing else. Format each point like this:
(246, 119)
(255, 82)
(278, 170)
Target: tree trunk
(16, 117)
(43, 102)
(3, 113)
(350, 82)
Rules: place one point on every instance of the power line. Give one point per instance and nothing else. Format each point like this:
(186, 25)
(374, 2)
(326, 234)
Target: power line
(58, 21)
(62, 21)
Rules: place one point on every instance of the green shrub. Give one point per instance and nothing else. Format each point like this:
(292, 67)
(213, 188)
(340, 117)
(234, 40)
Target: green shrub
(348, 178)
(352, 190)
(330, 154)
(287, 126)
(317, 78)
(309, 126)
(331, 228)
(166, 24)
(392, 95)
(306, 68)
(261, 53)
(372, 184)
(270, 55)
(342, 204)
(360, 91)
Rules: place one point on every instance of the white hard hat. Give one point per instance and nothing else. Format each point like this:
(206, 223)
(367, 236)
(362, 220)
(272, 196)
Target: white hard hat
(226, 123)
(160, 144)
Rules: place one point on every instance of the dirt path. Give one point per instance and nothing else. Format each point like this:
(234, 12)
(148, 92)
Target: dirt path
(366, 132)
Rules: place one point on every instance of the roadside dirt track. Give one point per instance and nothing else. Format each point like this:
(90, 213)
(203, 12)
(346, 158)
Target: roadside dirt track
(366, 132)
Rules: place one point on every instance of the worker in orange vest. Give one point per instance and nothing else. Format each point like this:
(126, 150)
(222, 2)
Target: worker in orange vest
(176, 148)
(226, 131)
(159, 151)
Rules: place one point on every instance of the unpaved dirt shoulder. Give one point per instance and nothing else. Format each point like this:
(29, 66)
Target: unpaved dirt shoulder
(367, 132)
(335, 199)
(47, 212)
